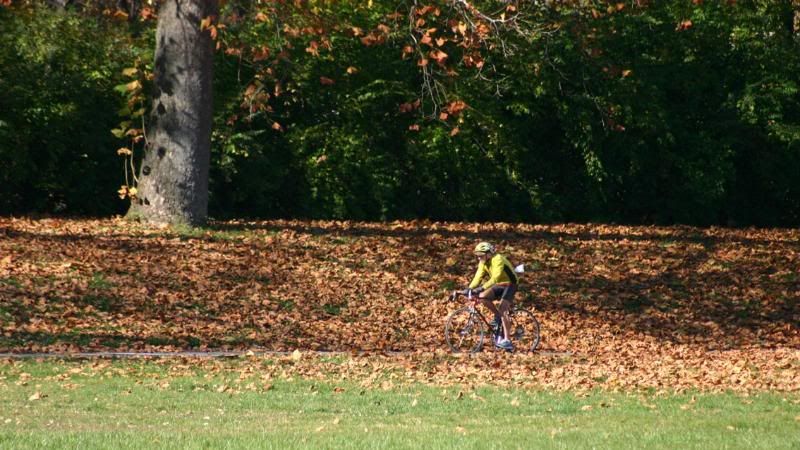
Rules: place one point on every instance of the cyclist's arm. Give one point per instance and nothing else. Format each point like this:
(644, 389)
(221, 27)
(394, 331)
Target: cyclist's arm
(476, 280)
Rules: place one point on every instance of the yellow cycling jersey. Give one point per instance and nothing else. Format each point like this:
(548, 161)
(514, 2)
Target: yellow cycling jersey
(498, 269)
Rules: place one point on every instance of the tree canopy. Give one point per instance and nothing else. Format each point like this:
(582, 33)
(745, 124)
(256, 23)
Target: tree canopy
(641, 112)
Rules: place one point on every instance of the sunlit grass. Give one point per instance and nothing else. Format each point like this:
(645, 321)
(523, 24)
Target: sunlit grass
(182, 404)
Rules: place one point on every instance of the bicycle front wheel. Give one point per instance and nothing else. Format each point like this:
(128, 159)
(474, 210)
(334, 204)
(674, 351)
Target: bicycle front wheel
(524, 330)
(464, 331)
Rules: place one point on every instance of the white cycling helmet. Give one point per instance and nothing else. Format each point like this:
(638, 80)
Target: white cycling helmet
(483, 248)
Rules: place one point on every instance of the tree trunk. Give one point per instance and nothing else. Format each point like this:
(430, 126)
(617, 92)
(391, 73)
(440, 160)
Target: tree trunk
(173, 179)
(796, 21)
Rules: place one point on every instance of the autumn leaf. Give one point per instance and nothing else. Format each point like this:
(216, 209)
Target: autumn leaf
(260, 54)
(147, 14)
(473, 60)
(313, 48)
(373, 39)
(410, 106)
(133, 85)
(684, 25)
(456, 107)
(439, 56)
(205, 23)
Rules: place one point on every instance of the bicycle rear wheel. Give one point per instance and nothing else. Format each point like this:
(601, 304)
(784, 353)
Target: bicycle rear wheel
(524, 330)
(464, 331)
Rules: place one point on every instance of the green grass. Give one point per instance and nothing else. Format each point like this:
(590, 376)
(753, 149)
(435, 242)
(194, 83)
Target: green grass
(11, 281)
(332, 309)
(186, 232)
(134, 404)
(99, 281)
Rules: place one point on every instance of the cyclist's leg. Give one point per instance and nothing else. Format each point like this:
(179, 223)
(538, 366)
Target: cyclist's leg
(487, 298)
(506, 302)
(505, 307)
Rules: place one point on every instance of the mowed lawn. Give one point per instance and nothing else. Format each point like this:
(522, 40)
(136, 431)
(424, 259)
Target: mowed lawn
(270, 403)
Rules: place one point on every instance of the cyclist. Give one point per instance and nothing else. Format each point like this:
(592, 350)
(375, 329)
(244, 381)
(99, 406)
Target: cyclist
(501, 282)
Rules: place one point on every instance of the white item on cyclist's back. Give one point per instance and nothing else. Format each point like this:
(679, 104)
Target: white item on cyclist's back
(520, 268)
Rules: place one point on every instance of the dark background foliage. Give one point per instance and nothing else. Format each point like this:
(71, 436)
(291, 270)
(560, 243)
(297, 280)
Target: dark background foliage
(674, 113)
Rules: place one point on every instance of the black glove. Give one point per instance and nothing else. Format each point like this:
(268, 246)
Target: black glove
(477, 290)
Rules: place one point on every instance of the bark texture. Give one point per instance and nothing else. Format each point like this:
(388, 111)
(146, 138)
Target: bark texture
(173, 180)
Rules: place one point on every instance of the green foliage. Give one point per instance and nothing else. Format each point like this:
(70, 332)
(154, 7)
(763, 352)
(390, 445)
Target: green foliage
(663, 113)
(57, 71)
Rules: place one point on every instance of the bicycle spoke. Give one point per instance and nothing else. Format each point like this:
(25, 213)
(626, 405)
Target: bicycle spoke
(524, 330)
(463, 332)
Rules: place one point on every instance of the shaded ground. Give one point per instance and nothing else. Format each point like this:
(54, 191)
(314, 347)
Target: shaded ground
(636, 304)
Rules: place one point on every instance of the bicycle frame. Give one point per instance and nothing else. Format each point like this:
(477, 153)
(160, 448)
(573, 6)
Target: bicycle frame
(528, 326)
(474, 301)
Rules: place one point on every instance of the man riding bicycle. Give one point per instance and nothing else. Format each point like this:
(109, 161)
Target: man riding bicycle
(501, 282)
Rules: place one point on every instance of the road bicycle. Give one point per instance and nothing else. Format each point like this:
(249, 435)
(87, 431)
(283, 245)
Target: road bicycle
(467, 327)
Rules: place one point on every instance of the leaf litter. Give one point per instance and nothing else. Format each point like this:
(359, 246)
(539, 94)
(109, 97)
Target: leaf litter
(620, 307)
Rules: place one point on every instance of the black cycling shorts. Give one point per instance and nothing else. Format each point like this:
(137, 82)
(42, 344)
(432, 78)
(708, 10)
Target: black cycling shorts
(504, 292)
